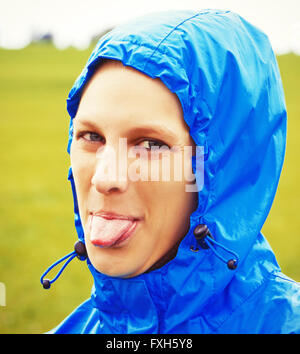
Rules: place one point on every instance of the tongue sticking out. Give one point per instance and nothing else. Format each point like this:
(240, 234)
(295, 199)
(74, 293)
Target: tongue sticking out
(106, 232)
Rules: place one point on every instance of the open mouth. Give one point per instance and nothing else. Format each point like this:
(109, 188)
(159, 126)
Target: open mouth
(110, 230)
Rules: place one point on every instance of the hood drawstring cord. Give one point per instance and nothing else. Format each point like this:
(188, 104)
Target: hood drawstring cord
(79, 252)
(202, 235)
(205, 241)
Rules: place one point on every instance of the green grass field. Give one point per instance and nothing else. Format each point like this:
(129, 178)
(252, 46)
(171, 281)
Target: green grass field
(36, 222)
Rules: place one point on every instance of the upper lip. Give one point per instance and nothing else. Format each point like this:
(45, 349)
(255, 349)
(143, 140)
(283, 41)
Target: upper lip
(113, 215)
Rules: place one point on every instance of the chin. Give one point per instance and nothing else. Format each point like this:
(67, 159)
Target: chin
(121, 262)
(122, 271)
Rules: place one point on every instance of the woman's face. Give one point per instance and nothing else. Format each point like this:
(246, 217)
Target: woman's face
(131, 211)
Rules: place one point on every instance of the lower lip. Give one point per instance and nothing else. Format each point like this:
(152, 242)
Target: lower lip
(121, 240)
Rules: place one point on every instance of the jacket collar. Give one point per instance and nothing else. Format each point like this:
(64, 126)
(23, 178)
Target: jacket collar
(157, 301)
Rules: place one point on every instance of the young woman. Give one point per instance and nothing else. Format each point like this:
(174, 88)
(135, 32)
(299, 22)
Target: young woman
(175, 245)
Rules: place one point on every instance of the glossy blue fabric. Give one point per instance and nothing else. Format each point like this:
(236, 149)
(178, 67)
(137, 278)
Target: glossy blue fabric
(225, 75)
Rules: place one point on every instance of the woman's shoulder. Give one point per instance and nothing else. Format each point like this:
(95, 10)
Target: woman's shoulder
(84, 319)
(274, 307)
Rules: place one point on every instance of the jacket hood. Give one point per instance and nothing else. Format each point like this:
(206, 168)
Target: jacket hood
(226, 77)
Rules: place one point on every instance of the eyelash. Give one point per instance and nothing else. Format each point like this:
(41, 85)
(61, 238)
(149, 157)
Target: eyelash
(158, 142)
(81, 135)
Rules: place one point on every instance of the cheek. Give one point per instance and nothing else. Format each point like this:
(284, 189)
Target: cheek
(82, 167)
(168, 203)
(169, 207)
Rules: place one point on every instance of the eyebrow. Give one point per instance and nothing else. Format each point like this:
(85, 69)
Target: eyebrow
(86, 123)
(142, 129)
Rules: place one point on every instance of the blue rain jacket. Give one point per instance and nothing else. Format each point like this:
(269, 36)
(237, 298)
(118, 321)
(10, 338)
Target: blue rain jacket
(225, 75)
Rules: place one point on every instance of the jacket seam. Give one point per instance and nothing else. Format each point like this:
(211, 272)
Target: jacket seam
(138, 45)
(176, 27)
(276, 275)
(171, 31)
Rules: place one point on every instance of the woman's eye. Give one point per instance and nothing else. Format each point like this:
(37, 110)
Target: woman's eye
(90, 136)
(148, 144)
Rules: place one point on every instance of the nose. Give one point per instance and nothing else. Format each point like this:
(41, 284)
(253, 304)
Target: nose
(110, 173)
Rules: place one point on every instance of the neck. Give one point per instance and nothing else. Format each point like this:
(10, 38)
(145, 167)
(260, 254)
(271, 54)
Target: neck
(165, 259)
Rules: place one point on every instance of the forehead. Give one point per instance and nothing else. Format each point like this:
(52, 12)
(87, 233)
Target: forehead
(120, 94)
